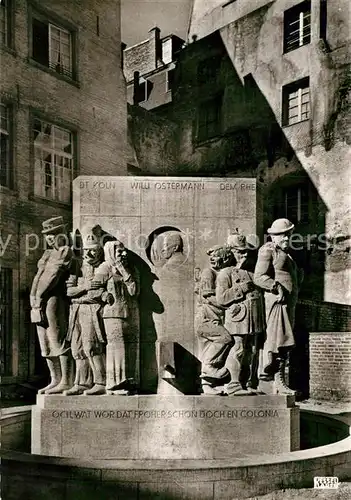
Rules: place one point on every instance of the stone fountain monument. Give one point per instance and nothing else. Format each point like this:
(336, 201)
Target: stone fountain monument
(142, 282)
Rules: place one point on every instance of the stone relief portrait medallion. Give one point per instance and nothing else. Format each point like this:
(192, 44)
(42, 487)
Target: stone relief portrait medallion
(168, 248)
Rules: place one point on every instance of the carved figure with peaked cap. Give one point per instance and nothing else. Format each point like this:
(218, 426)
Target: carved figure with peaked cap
(244, 318)
(85, 330)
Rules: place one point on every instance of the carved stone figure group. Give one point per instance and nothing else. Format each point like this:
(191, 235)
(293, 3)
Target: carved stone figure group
(102, 333)
(86, 309)
(245, 319)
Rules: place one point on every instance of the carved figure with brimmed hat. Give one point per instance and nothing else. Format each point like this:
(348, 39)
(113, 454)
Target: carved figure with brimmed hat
(50, 305)
(281, 226)
(276, 273)
(244, 318)
(55, 225)
(85, 332)
(215, 341)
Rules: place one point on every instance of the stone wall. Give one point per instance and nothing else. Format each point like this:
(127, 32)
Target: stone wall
(152, 141)
(330, 365)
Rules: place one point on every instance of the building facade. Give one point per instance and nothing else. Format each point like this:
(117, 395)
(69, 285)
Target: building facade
(149, 69)
(296, 57)
(63, 114)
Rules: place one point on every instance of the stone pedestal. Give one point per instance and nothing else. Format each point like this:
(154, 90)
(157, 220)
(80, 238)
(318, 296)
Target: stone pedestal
(161, 427)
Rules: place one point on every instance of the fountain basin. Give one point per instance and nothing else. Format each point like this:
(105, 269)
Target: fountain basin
(41, 477)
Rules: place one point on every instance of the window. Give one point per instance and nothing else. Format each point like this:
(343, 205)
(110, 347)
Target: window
(53, 161)
(296, 203)
(292, 202)
(5, 22)
(52, 46)
(142, 90)
(296, 102)
(208, 70)
(169, 80)
(323, 15)
(297, 26)
(5, 147)
(209, 118)
(6, 321)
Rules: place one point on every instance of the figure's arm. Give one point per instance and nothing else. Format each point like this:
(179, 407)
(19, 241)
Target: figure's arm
(262, 277)
(207, 287)
(226, 292)
(53, 272)
(131, 284)
(33, 290)
(73, 289)
(130, 278)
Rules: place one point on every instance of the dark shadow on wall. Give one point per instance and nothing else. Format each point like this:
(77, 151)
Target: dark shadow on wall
(149, 304)
(235, 133)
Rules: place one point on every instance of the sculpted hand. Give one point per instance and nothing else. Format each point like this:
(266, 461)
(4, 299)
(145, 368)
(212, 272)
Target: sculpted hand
(248, 286)
(32, 301)
(281, 294)
(35, 302)
(108, 298)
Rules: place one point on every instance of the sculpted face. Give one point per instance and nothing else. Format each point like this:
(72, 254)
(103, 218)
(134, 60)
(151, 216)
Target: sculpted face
(121, 254)
(171, 244)
(216, 260)
(50, 240)
(240, 256)
(92, 255)
(281, 240)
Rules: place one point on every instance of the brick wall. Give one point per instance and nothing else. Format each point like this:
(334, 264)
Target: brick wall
(317, 316)
(330, 365)
(140, 57)
(92, 105)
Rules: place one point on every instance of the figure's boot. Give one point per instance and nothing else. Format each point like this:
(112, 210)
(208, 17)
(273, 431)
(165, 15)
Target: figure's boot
(210, 390)
(66, 367)
(55, 374)
(279, 381)
(83, 380)
(98, 367)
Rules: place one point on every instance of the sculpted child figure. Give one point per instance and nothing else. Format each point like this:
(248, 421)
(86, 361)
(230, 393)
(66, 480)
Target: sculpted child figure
(214, 339)
(85, 330)
(50, 305)
(244, 319)
(121, 319)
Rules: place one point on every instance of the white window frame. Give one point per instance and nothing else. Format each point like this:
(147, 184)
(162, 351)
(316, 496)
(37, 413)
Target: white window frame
(303, 104)
(56, 190)
(67, 70)
(298, 18)
(298, 203)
